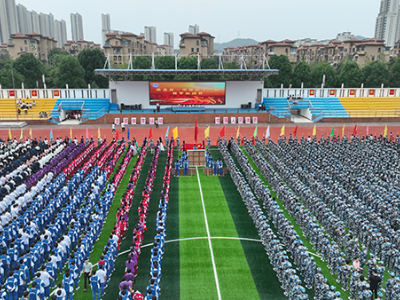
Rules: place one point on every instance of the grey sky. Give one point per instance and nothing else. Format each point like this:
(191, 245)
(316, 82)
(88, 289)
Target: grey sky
(257, 19)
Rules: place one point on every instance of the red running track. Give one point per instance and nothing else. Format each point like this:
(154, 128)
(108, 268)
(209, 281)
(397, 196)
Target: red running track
(186, 133)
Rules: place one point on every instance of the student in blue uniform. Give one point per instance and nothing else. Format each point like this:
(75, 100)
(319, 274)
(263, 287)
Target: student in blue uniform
(95, 285)
(34, 292)
(186, 166)
(12, 286)
(68, 284)
(215, 167)
(177, 166)
(220, 165)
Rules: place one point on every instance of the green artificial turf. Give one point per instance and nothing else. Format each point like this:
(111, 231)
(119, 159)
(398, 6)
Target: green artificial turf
(234, 275)
(196, 270)
(264, 277)
(112, 289)
(170, 279)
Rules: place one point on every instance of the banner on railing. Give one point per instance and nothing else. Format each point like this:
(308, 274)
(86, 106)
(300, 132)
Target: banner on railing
(233, 120)
(11, 94)
(240, 120)
(160, 120)
(34, 93)
(117, 121)
(248, 120)
(371, 92)
(352, 92)
(392, 92)
(143, 121)
(255, 120)
(225, 120)
(126, 121)
(56, 94)
(133, 121)
(217, 120)
(151, 121)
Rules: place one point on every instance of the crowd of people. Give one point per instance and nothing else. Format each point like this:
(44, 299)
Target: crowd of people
(24, 106)
(327, 186)
(291, 283)
(52, 214)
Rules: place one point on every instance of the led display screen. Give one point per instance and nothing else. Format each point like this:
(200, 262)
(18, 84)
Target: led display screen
(187, 93)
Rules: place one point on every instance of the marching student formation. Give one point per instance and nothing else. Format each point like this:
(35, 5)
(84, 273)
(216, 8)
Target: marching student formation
(337, 199)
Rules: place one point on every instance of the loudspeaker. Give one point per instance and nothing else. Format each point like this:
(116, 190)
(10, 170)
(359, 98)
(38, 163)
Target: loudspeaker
(122, 106)
(249, 106)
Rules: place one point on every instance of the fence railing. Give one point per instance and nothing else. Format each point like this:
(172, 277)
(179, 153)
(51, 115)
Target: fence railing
(72, 105)
(361, 114)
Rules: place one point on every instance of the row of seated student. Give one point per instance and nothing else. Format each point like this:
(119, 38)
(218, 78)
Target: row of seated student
(262, 107)
(294, 97)
(43, 114)
(189, 105)
(21, 104)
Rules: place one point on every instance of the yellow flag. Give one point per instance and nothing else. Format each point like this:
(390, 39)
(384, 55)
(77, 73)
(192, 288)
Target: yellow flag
(283, 130)
(30, 132)
(314, 131)
(343, 130)
(238, 132)
(98, 132)
(9, 134)
(175, 133)
(385, 132)
(70, 133)
(22, 134)
(207, 132)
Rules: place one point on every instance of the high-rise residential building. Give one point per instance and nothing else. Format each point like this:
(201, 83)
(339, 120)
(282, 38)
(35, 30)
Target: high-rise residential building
(169, 39)
(387, 25)
(77, 27)
(194, 29)
(35, 21)
(44, 24)
(105, 26)
(60, 32)
(150, 34)
(105, 22)
(8, 20)
(24, 19)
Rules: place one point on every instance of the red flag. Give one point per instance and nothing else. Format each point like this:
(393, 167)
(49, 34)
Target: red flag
(355, 130)
(116, 136)
(222, 132)
(196, 130)
(295, 130)
(150, 133)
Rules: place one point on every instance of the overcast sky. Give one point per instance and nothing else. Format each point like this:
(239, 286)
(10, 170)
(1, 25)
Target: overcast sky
(226, 20)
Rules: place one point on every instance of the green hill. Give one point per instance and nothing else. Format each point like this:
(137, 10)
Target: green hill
(219, 47)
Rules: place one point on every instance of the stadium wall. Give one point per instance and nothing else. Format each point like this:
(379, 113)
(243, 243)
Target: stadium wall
(184, 118)
(137, 92)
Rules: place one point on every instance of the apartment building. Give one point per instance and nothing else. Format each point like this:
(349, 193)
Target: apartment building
(34, 43)
(74, 47)
(251, 55)
(192, 44)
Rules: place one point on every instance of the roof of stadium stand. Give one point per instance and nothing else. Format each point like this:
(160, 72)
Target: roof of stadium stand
(242, 72)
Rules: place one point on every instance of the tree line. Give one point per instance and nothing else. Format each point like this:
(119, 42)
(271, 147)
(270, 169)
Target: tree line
(347, 72)
(78, 71)
(61, 69)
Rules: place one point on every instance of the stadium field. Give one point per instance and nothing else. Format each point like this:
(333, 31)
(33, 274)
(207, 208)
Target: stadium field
(212, 248)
